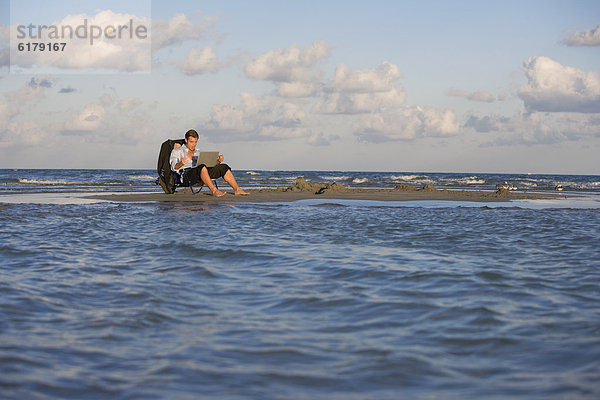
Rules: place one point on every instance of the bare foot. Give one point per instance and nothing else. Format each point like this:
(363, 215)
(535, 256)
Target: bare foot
(241, 192)
(218, 193)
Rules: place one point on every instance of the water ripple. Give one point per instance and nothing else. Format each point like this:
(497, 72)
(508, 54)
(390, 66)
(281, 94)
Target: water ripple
(298, 302)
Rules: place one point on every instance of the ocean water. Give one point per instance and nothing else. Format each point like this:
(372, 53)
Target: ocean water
(79, 181)
(318, 299)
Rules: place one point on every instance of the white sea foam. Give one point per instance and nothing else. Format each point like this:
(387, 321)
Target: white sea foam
(474, 181)
(336, 178)
(576, 185)
(468, 180)
(406, 177)
(144, 177)
(253, 173)
(527, 184)
(48, 182)
(285, 178)
(360, 180)
(63, 182)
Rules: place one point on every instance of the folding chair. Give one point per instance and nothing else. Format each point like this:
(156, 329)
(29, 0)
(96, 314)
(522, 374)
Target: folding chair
(169, 180)
(182, 179)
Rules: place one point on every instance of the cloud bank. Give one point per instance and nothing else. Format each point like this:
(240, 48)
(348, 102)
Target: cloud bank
(408, 123)
(255, 118)
(553, 87)
(114, 49)
(293, 69)
(200, 61)
(590, 37)
(15, 127)
(371, 98)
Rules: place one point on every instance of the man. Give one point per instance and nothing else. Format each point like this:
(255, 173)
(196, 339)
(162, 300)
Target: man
(181, 158)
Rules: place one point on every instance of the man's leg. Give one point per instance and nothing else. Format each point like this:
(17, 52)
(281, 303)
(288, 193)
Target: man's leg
(223, 171)
(208, 182)
(230, 179)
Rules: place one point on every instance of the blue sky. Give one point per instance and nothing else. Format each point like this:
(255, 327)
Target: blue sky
(463, 86)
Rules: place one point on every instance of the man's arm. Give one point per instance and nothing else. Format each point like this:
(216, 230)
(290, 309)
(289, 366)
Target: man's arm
(174, 160)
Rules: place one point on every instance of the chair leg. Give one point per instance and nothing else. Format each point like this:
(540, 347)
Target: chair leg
(189, 182)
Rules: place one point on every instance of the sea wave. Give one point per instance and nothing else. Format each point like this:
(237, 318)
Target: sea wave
(336, 178)
(143, 177)
(528, 184)
(409, 177)
(386, 290)
(64, 182)
(51, 182)
(467, 180)
(360, 180)
(285, 178)
(578, 185)
(593, 185)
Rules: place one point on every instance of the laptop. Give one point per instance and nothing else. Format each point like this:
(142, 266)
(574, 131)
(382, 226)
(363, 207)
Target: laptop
(208, 158)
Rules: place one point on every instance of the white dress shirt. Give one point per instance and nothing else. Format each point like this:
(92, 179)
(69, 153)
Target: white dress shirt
(180, 153)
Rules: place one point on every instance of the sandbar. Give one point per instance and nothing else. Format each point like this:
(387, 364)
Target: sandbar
(303, 190)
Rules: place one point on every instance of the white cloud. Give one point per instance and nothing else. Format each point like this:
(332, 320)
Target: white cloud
(481, 95)
(297, 89)
(288, 65)
(110, 120)
(379, 79)
(489, 123)
(562, 104)
(129, 104)
(579, 126)
(89, 119)
(372, 95)
(590, 37)
(100, 41)
(361, 91)
(357, 103)
(321, 140)
(528, 129)
(439, 123)
(106, 100)
(23, 133)
(292, 69)
(406, 123)
(536, 128)
(180, 29)
(27, 93)
(200, 61)
(254, 118)
(553, 87)
(110, 49)
(15, 130)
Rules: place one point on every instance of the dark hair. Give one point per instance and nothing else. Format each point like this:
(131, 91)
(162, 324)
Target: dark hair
(191, 133)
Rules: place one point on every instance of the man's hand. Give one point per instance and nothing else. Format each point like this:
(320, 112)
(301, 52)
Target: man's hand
(183, 161)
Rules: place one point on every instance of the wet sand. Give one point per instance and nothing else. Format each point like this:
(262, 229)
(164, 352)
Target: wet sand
(303, 190)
